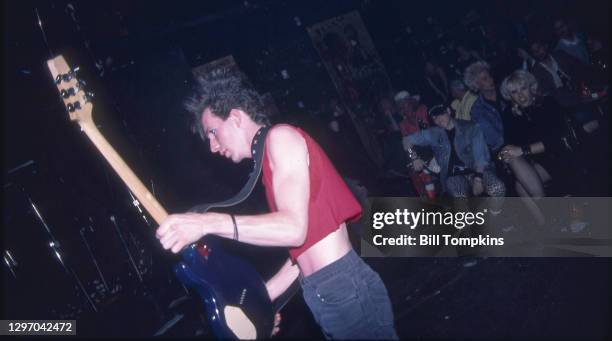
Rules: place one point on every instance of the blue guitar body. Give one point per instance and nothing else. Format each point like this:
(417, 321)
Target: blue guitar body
(223, 280)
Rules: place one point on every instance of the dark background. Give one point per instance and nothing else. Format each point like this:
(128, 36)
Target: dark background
(148, 49)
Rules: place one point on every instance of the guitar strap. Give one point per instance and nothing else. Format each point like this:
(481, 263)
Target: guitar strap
(257, 150)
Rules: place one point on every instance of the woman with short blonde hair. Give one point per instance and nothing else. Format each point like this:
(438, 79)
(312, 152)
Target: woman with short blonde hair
(517, 80)
(536, 136)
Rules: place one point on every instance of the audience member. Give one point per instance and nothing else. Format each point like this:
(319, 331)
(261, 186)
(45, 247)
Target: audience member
(571, 42)
(539, 143)
(487, 109)
(461, 150)
(463, 99)
(415, 119)
(413, 113)
(564, 77)
(557, 73)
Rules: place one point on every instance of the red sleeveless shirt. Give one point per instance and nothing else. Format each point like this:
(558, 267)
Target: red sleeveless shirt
(331, 202)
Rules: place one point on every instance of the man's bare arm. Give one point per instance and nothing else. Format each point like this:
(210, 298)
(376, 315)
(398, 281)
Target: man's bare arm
(288, 156)
(279, 283)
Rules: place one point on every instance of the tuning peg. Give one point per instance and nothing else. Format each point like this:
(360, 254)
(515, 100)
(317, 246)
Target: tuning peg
(67, 93)
(66, 77)
(73, 106)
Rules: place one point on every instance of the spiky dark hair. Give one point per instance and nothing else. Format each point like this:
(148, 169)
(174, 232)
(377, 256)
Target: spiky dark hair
(221, 92)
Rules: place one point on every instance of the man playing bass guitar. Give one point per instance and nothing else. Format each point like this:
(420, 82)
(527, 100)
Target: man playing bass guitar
(309, 207)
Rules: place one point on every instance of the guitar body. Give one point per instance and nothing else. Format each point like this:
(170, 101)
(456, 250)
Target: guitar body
(234, 295)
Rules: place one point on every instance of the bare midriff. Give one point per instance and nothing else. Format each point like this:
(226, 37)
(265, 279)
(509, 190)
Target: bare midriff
(326, 251)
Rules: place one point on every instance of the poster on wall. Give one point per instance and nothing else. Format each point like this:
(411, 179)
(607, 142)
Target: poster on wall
(356, 70)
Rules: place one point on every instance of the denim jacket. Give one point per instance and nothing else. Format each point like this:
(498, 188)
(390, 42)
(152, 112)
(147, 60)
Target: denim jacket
(490, 122)
(470, 146)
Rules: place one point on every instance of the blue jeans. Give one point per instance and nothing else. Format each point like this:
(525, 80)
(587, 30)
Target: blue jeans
(349, 300)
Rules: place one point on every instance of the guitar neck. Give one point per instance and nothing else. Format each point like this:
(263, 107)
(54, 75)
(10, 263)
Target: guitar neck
(125, 173)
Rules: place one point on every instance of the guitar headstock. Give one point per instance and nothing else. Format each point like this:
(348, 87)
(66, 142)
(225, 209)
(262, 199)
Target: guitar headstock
(72, 91)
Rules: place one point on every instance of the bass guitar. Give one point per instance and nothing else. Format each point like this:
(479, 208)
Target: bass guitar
(234, 295)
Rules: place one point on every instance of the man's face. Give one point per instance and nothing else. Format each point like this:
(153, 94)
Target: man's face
(223, 136)
(485, 81)
(442, 120)
(539, 51)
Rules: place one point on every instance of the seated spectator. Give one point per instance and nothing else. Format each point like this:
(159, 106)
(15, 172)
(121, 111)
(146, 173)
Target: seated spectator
(558, 74)
(436, 84)
(541, 139)
(487, 109)
(415, 119)
(463, 99)
(571, 42)
(598, 53)
(414, 114)
(462, 153)
(562, 77)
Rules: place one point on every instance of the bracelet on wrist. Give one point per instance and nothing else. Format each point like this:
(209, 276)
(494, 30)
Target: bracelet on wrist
(235, 226)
